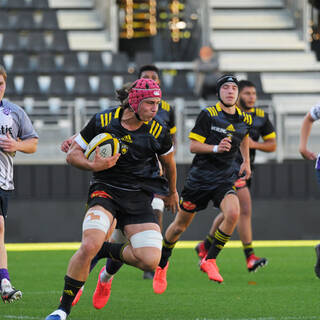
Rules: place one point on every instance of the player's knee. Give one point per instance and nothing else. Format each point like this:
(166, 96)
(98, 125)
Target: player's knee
(147, 248)
(89, 249)
(232, 215)
(179, 228)
(150, 261)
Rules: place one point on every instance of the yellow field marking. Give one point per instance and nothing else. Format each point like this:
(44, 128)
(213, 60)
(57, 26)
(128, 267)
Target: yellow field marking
(180, 244)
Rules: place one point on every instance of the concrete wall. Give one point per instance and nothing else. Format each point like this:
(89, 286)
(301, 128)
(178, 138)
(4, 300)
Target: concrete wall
(49, 203)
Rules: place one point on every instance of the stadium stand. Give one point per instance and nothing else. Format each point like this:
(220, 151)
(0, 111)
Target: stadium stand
(59, 50)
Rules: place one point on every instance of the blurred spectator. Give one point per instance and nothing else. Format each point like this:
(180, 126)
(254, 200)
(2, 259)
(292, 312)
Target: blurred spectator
(206, 68)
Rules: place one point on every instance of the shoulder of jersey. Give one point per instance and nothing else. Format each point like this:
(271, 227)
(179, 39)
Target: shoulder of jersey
(259, 112)
(156, 127)
(7, 103)
(165, 105)
(213, 110)
(246, 117)
(106, 116)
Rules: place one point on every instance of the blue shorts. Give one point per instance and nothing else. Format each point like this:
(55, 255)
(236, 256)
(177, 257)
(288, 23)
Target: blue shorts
(4, 199)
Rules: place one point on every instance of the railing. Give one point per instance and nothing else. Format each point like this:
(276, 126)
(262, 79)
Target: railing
(55, 122)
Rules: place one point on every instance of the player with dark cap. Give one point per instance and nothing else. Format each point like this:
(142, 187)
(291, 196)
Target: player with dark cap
(220, 131)
(261, 127)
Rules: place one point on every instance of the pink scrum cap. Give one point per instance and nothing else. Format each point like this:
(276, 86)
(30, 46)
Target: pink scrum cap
(143, 89)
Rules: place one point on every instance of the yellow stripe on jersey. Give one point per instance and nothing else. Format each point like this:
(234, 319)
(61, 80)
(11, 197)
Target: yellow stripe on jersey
(116, 115)
(212, 111)
(110, 117)
(158, 133)
(271, 135)
(165, 105)
(197, 137)
(259, 112)
(247, 118)
(218, 107)
(239, 111)
(102, 120)
(152, 126)
(155, 129)
(173, 130)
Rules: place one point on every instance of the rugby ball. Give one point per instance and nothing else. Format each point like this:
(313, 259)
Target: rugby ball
(109, 146)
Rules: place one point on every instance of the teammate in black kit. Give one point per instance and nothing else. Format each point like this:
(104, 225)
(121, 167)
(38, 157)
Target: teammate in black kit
(261, 127)
(167, 114)
(218, 134)
(122, 187)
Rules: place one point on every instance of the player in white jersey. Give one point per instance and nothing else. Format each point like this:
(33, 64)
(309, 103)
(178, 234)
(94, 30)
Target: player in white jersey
(16, 134)
(309, 119)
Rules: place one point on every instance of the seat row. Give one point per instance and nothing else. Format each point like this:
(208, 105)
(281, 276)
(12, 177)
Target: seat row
(20, 4)
(34, 41)
(68, 62)
(65, 86)
(84, 85)
(28, 20)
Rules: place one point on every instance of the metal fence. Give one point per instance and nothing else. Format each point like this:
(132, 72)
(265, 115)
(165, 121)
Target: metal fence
(56, 120)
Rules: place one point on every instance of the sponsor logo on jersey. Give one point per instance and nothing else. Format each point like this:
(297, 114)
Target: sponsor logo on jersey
(124, 148)
(230, 128)
(218, 129)
(127, 138)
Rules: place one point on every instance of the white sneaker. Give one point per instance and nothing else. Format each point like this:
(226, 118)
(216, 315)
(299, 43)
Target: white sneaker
(9, 293)
(57, 315)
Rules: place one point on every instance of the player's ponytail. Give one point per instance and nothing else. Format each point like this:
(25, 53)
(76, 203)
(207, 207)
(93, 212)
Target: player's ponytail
(123, 95)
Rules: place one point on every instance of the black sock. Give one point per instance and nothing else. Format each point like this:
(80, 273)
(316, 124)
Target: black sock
(112, 266)
(166, 252)
(94, 261)
(71, 288)
(220, 239)
(248, 249)
(208, 241)
(111, 250)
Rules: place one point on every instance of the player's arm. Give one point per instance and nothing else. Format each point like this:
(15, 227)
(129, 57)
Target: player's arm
(245, 166)
(268, 145)
(76, 158)
(65, 145)
(304, 136)
(199, 134)
(197, 146)
(268, 135)
(8, 144)
(170, 171)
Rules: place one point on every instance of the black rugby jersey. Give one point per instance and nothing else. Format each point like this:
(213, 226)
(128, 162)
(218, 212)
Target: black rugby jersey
(261, 127)
(166, 113)
(137, 167)
(212, 125)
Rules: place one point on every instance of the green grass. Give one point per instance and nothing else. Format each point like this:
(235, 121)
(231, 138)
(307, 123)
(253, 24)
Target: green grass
(285, 289)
